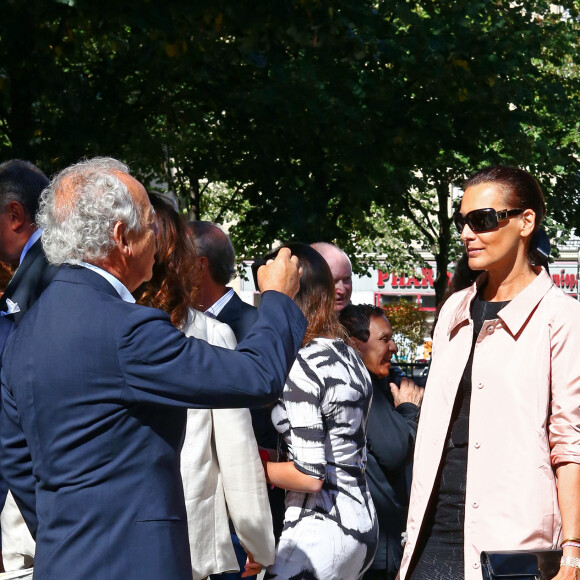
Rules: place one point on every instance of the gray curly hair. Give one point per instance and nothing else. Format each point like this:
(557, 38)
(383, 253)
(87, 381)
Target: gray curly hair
(79, 210)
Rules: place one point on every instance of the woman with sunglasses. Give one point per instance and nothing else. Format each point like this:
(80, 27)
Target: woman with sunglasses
(220, 464)
(497, 457)
(330, 529)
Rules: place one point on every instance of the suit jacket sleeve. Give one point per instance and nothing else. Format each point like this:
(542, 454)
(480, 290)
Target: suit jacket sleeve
(16, 460)
(6, 327)
(390, 432)
(155, 358)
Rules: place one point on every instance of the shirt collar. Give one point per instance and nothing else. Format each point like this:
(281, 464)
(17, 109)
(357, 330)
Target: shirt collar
(515, 314)
(219, 305)
(115, 282)
(31, 241)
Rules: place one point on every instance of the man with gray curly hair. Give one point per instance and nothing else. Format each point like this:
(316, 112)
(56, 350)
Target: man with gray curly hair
(95, 388)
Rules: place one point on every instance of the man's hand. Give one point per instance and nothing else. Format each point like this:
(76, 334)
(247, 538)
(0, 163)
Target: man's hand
(408, 392)
(282, 274)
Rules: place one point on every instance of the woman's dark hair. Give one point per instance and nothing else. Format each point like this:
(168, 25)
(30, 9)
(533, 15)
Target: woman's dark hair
(173, 287)
(316, 296)
(356, 319)
(521, 191)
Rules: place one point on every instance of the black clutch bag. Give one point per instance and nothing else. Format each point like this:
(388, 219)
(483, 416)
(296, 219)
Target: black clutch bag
(521, 565)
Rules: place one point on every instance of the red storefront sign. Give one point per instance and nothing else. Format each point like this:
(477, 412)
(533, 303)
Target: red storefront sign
(564, 280)
(425, 281)
(396, 281)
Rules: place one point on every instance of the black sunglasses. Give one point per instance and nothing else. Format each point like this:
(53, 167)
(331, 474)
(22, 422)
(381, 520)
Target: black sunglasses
(483, 220)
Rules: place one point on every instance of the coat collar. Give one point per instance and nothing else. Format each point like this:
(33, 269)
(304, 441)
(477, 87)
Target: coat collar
(79, 275)
(515, 314)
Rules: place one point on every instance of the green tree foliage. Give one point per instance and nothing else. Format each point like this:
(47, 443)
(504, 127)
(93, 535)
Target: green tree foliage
(480, 82)
(344, 121)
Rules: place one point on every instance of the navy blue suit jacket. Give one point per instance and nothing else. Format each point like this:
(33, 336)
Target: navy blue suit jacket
(94, 399)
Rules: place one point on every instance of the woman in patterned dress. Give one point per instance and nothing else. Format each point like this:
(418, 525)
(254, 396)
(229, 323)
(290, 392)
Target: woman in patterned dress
(330, 529)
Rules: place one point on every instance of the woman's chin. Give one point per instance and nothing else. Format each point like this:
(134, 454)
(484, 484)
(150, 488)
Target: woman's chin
(476, 264)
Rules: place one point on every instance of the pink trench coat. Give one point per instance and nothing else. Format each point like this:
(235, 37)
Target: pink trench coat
(524, 419)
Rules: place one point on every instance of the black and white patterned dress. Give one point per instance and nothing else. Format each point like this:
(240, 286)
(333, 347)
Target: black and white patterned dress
(332, 534)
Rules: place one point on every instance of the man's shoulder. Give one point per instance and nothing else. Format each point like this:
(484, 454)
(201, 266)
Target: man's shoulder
(70, 310)
(86, 296)
(236, 307)
(245, 308)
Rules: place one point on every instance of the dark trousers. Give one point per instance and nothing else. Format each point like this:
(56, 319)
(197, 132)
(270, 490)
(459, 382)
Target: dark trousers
(375, 575)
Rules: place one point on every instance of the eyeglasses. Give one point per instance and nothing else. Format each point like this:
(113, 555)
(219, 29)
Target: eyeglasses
(483, 220)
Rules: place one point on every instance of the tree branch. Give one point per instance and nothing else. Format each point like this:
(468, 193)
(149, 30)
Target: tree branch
(419, 207)
(418, 224)
(223, 207)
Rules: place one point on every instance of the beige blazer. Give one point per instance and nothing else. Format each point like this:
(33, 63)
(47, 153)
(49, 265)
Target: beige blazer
(524, 419)
(222, 474)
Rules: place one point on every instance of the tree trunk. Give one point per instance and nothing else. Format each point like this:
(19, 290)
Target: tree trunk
(22, 68)
(444, 240)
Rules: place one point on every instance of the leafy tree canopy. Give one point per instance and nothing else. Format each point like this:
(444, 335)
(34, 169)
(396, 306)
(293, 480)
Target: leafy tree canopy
(304, 119)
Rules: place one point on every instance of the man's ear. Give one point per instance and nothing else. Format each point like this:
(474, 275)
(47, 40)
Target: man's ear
(120, 235)
(18, 216)
(203, 263)
(354, 342)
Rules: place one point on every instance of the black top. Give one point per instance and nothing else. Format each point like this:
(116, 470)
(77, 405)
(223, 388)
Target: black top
(443, 528)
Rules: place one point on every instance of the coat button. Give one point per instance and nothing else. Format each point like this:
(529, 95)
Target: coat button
(475, 504)
(490, 329)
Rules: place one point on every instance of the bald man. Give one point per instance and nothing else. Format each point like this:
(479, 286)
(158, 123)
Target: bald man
(341, 269)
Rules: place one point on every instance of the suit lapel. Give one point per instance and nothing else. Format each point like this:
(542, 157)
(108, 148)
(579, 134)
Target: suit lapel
(231, 311)
(12, 290)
